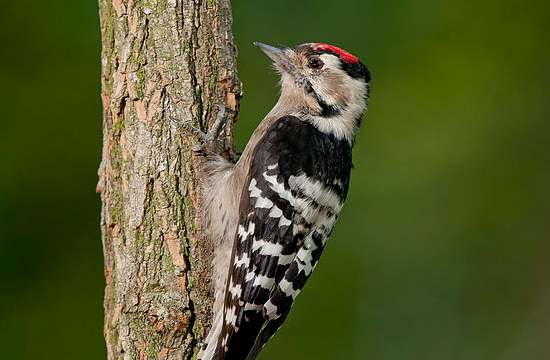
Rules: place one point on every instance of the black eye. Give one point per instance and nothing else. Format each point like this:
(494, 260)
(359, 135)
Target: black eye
(315, 64)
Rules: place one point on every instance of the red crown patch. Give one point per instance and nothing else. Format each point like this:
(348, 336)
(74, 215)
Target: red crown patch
(344, 55)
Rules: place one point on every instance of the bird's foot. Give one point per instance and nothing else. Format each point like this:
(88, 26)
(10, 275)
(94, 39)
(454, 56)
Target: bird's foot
(208, 140)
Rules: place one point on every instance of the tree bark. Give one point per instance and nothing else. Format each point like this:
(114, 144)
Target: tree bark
(160, 58)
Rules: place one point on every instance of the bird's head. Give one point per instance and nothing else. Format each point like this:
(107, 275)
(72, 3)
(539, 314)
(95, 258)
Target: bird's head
(322, 83)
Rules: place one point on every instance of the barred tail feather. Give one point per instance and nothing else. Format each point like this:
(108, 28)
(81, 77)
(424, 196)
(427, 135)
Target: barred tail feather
(267, 333)
(235, 343)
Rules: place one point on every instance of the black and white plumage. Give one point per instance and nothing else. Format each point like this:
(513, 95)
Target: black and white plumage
(270, 214)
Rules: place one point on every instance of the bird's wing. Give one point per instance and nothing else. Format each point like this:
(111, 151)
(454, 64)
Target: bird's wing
(284, 223)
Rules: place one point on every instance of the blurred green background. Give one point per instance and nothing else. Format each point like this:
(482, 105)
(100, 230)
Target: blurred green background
(443, 248)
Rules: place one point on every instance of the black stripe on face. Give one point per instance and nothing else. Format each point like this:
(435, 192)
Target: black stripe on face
(328, 110)
(356, 71)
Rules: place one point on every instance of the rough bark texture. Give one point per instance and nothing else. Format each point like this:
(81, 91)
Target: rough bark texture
(160, 58)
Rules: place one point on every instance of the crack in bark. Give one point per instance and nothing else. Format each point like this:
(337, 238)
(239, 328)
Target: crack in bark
(194, 43)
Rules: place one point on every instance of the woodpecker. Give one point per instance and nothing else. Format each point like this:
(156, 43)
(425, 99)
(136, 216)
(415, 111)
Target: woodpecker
(270, 215)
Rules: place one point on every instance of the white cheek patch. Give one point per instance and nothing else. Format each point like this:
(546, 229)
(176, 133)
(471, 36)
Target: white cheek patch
(330, 60)
(332, 63)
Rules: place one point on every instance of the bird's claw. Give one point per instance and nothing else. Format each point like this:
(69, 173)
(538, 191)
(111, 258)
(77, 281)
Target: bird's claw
(208, 140)
(191, 129)
(198, 148)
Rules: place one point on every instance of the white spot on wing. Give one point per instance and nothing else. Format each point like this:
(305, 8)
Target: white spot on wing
(244, 260)
(267, 248)
(275, 212)
(254, 191)
(235, 290)
(283, 221)
(288, 289)
(279, 188)
(245, 233)
(250, 306)
(285, 259)
(242, 232)
(263, 203)
(304, 261)
(230, 316)
(249, 276)
(264, 281)
(270, 310)
(317, 191)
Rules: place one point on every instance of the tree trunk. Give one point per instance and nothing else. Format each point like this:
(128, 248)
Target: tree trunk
(160, 58)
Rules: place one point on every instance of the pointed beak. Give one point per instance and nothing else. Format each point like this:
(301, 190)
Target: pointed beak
(277, 55)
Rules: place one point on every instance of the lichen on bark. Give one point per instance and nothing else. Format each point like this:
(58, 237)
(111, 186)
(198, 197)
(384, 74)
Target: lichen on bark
(159, 59)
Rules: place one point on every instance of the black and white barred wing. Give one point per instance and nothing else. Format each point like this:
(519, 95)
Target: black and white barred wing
(286, 217)
(266, 244)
